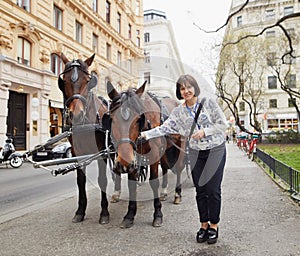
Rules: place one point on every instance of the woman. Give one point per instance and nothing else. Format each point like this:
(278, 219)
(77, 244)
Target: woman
(207, 152)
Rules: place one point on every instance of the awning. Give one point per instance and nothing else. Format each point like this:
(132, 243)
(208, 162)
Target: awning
(56, 104)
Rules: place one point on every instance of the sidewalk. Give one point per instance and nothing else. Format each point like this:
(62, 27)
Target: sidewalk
(257, 218)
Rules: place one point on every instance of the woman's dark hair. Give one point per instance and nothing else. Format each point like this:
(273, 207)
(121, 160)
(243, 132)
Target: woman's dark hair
(184, 80)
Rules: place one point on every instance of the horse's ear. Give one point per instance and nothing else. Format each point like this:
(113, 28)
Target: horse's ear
(111, 91)
(61, 84)
(64, 58)
(93, 82)
(141, 90)
(90, 60)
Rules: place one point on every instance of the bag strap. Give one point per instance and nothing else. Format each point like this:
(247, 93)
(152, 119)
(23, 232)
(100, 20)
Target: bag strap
(196, 117)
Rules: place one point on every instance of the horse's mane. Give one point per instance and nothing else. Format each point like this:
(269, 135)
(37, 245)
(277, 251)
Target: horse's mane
(130, 98)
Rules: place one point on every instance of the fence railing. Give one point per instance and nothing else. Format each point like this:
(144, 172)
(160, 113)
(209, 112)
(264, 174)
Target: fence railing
(287, 174)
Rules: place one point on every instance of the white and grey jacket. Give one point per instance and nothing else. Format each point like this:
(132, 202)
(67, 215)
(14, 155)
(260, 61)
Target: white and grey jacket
(211, 119)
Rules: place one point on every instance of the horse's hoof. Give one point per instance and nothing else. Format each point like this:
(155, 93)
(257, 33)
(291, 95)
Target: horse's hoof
(126, 223)
(157, 222)
(104, 219)
(163, 196)
(115, 198)
(78, 218)
(177, 200)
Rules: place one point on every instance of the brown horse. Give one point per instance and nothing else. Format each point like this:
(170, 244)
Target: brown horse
(131, 112)
(83, 114)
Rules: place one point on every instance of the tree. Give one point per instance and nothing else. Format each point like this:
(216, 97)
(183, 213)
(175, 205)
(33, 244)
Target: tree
(245, 91)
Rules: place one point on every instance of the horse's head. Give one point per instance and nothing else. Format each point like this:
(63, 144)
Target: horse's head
(127, 120)
(75, 82)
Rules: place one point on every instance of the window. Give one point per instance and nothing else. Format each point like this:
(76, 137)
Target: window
(137, 7)
(291, 102)
(291, 81)
(147, 77)
(95, 43)
(147, 57)
(78, 35)
(239, 21)
(107, 12)
(273, 103)
(270, 33)
(119, 22)
(272, 82)
(138, 41)
(129, 66)
(271, 57)
(270, 14)
(272, 123)
(24, 51)
(108, 51)
(56, 64)
(25, 4)
(119, 58)
(147, 37)
(242, 106)
(288, 10)
(129, 31)
(95, 5)
(57, 18)
(289, 123)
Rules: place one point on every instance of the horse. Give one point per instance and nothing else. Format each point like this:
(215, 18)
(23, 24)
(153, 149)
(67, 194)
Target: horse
(131, 112)
(83, 113)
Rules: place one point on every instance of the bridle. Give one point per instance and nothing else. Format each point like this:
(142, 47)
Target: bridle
(73, 67)
(119, 103)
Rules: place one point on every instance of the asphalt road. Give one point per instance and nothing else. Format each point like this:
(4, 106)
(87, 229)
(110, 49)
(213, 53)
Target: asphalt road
(25, 189)
(257, 218)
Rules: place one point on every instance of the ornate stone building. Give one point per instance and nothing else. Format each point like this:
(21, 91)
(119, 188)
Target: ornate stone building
(163, 64)
(256, 63)
(34, 33)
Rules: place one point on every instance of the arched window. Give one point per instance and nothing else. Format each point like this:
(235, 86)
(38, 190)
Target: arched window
(56, 64)
(24, 51)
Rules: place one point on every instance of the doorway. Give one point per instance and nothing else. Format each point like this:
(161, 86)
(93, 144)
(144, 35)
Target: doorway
(16, 119)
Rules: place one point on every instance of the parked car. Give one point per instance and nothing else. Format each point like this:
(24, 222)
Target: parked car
(58, 150)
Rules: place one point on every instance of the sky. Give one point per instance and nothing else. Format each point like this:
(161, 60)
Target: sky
(194, 45)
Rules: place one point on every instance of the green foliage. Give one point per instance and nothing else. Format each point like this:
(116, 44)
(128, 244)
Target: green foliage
(286, 153)
(289, 136)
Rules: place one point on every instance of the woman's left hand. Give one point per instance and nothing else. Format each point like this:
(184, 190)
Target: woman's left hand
(198, 135)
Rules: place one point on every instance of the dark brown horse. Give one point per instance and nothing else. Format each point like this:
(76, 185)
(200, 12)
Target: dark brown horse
(83, 114)
(131, 112)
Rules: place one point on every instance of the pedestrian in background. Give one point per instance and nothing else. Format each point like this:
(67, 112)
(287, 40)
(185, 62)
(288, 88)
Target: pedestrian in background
(207, 151)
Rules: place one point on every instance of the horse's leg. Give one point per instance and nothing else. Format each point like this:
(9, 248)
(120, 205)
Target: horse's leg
(102, 181)
(82, 199)
(117, 191)
(132, 205)
(164, 186)
(177, 198)
(154, 183)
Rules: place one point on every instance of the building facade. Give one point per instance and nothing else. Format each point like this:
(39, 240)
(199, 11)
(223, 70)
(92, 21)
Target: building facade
(34, 33)
(163, 64)
(256, 63)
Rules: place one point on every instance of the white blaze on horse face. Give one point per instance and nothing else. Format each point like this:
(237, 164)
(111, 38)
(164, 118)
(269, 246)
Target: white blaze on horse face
(124, 134)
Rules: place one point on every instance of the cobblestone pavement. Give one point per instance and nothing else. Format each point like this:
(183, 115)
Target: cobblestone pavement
(258, 218)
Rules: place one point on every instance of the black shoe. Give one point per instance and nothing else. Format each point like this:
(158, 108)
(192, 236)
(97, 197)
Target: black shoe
(212, 235)
(202, 235)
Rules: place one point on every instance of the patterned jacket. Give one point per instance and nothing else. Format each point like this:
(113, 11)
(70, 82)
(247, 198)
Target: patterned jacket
(211, 119)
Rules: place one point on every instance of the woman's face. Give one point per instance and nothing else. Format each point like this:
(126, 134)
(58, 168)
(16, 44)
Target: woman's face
(187, 91)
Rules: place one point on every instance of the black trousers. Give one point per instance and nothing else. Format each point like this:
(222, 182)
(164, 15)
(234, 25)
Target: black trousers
(207, 171)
